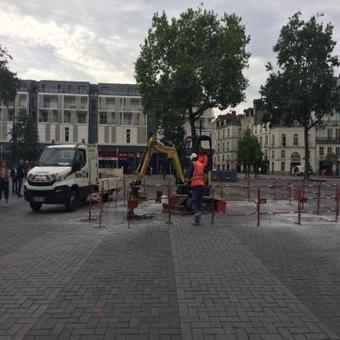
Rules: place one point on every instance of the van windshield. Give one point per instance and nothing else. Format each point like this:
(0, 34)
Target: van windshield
(57, 157)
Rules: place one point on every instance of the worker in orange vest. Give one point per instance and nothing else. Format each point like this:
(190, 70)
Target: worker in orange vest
(203, 157)
(197, 176)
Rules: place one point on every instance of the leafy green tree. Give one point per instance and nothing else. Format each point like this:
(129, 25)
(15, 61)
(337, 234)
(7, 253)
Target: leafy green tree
(191, 64)
(304, 86)
(249, 151)
(8, 79)
(330, 160)
(24, 138)
(172, 129)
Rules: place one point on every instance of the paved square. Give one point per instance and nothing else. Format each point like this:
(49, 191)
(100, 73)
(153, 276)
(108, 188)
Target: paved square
(62, 278)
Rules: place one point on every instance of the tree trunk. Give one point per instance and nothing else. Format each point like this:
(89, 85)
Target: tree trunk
(194, 146)
(307, 156)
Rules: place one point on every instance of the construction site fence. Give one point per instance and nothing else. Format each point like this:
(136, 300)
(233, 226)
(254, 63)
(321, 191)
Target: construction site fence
(317, 198)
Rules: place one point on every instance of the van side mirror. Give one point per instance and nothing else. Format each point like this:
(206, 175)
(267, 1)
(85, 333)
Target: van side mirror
(76, 165)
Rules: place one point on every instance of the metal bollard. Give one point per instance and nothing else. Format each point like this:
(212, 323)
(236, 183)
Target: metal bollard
(90, 202)
(124, 190)
(258, 206)
(169, 206)
(212, 206)
(116, 201)
(299, 207)
(318, 197)
(337, 204)
(248, 187)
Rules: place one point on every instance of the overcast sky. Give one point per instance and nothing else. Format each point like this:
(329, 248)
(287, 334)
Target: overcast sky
(98, 40)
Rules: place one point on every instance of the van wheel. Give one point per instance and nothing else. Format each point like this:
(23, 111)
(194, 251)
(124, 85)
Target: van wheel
(72, 204)
(36, 206)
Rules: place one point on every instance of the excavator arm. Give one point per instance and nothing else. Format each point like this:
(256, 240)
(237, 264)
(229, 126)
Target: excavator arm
(170, 152)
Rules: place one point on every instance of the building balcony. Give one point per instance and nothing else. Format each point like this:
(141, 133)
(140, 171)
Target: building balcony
(328, 140)
(62, 91)
(68, 106)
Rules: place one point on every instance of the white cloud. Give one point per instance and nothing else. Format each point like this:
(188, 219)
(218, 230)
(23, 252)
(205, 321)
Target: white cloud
(74, 44)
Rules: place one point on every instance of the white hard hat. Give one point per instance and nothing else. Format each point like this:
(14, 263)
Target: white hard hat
(193, 156)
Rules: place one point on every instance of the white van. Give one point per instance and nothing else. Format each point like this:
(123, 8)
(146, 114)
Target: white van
(64, 174)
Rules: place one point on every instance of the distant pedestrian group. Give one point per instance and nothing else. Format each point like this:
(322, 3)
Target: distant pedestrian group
(17, 174)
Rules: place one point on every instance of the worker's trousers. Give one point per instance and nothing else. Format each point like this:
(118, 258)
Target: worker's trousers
(197, 199)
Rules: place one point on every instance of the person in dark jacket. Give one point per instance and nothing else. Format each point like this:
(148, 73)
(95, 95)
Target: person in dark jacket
(14, 178)
(21, 176)
(4, 181)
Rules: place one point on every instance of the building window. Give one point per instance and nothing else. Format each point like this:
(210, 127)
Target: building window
(102, 118)
(81, 117)
(337, 135)
(261, 142)
(282, 166)
(43, 116)
(223, 146)
(67, 116)
(266, 140)
(273, 154)
(228, 133)
(283, 153)
(67, 134)
(295, 157)
(283, 140)
(321, 151)
(128, 136)
(55, 117)
(296, 139)
(227, 146)
(337, 151)
(329, 133)
(273, 139)
(127, 118)
(329, 150)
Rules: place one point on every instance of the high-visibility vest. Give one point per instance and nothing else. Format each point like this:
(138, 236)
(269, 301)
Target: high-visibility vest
(198, 178)
(203, 159)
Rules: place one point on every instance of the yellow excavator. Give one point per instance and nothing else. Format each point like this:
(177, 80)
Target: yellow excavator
(170, 151)
(156, 146)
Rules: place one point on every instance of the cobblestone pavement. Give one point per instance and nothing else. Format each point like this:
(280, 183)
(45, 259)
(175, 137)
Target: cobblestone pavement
(63, 278)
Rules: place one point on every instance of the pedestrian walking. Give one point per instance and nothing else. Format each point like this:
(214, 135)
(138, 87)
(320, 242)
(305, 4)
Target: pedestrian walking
(14, 177)
(4, 181)
(21, 176)
(196, 173)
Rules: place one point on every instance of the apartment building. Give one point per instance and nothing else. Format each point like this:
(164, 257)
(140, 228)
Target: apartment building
(110, 115)
(12, 110)
(328, 142)
(228, 134)
(63, 112)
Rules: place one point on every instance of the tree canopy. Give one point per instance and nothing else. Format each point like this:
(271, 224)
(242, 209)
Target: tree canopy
(8, 79)
(304, 87)
(249, 150)
(193, 63)
(24, 138)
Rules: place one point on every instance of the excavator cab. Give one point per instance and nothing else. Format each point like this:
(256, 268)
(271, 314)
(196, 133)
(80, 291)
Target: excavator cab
(204, 142)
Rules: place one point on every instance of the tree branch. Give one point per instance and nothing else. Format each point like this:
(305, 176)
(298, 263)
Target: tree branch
(314, 123)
